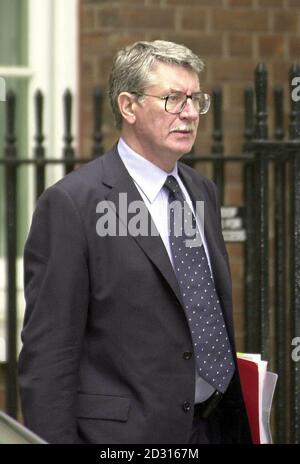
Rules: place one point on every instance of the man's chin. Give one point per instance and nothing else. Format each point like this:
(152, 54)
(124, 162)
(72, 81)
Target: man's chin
(183, 148)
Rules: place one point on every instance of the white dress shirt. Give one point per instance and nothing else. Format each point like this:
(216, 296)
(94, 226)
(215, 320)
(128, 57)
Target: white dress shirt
(149, 180)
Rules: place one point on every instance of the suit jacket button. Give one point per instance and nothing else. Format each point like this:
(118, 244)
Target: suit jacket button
(187, 355)
(186, 406)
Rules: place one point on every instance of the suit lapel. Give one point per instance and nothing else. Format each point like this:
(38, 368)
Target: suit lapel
(118, 179)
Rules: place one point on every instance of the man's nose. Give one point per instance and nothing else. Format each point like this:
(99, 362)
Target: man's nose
(189, 111)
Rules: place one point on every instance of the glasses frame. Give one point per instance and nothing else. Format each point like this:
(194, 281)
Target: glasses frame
(166, 98)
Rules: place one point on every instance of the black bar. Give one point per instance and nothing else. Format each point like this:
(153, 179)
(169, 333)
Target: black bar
(261, 209)
(249, 114)
(251, 310)
(217, 146)
(294, 135)
(68, 151)
(295, 294)
(10, 152)
(294, 128)
(250, 272)
(278, 112)
(39, 150)
(262, 255)
(261, 87)
(280, 301)
(97, 149)
(280, 275)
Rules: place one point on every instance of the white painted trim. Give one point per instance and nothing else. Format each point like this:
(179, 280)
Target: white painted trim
(53, 57)
(65, 40)
(15, 71)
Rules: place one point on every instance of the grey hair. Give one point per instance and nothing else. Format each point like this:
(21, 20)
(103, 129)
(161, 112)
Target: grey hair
(131, 71)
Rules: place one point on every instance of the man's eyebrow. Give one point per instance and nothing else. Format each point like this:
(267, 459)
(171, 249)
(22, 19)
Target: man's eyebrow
(171, 90)
(176, 90)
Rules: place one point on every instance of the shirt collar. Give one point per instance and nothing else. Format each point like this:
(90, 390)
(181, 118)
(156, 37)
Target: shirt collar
(149, 177)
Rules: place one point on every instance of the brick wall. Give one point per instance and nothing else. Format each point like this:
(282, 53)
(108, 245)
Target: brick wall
(232, 36)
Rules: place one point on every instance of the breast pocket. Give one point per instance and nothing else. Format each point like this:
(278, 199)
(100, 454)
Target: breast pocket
(103, 407)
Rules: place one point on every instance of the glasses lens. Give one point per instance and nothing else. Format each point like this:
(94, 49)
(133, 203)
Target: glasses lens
(202, 103)
(175, 103)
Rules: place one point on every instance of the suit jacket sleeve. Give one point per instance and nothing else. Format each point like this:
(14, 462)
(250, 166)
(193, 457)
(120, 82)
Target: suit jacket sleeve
(56, 292)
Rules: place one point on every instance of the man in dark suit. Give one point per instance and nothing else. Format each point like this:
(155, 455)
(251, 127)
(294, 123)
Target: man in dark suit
(125, 340)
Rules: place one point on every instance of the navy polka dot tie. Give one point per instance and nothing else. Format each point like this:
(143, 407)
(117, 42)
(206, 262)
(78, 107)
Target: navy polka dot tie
(201, 303)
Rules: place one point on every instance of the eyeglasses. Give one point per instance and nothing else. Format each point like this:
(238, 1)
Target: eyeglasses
(175, 102)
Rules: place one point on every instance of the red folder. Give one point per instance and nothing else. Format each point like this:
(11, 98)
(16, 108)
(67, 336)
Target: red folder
(249, 376)
(258, 386)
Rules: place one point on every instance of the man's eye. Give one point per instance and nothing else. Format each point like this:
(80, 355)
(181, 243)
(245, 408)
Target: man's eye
(196, 98)
(174, 98)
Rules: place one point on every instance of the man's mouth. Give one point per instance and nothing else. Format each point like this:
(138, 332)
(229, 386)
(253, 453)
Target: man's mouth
(182, 129)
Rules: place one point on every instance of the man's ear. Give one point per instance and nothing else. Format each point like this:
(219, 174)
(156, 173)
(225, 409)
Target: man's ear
(126, 102)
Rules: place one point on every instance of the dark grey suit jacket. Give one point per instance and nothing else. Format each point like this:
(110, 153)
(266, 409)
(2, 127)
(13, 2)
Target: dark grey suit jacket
(104, 330)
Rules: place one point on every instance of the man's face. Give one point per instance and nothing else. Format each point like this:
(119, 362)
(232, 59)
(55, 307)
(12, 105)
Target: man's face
(162, 137)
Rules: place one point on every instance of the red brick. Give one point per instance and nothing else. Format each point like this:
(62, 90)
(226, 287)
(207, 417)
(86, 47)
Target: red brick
(236, 95)
(237, 272)
(270, 3)
(87, 21)
(281, 70)
(202, 147)
(293, 4)
(285, 22)
(237, 20)
(294, 48)
(202, 45)
(234, 196)
(240, 45)
(152, 2)
(233, 70)
(272, 46)
(121, 3)
(235, 249)
(240, 3)
(212, 3)
(238, 316)
(87, 69)
(136, 17)
(240, 342)
(233, 173)
(93, 44)
(234, 143)
(193, 18)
